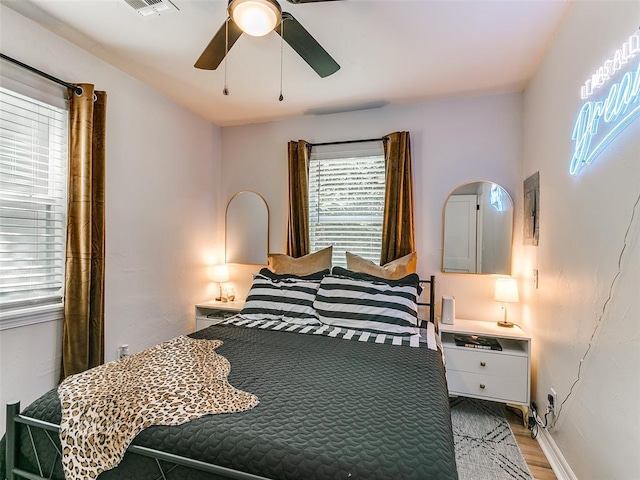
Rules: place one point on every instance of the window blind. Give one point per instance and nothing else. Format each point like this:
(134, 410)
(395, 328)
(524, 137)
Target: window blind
(33, 196)
(346, 199)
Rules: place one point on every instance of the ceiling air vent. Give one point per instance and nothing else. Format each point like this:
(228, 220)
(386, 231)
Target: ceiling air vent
(145, 8)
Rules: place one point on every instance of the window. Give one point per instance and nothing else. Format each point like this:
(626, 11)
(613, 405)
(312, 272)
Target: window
(33, 196)
(346, 199)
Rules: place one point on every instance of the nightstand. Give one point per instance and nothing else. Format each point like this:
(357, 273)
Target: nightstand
(212, 312)
(501, 376)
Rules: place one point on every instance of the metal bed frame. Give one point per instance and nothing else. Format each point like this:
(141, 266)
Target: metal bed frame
(432, 300)
(14, 418)
(13, 472)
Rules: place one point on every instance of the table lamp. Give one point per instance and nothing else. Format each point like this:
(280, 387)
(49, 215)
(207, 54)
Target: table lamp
(220, 275)
(506, 291)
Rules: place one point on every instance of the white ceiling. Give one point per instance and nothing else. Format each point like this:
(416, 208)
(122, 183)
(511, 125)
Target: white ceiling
(391, 52)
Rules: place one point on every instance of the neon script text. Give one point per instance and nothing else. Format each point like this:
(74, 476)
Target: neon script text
(599, 122)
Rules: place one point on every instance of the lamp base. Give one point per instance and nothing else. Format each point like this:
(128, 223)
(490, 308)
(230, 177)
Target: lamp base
(505, 324)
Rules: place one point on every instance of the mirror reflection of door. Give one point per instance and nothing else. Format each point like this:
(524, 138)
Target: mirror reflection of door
(460, 234)
(478, 230)
(247, 229)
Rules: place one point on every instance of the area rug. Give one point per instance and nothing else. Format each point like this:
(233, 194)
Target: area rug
(486, 448)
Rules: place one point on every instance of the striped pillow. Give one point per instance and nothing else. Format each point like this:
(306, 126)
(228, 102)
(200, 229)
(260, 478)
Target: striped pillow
(287, 299)
(364, 302)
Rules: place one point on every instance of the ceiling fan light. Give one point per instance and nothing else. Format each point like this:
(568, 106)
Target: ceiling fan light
(255, 17)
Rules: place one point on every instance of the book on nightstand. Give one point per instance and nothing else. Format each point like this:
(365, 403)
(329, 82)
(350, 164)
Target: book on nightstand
(476, 341)
(224, 314)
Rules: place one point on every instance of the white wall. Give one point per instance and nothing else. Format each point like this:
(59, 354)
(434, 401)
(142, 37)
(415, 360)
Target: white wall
(582, 229)
(453, 142)
(162, 213)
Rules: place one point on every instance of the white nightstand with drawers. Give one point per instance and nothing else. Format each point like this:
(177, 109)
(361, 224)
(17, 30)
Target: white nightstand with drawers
(214, 311)
(498, 375)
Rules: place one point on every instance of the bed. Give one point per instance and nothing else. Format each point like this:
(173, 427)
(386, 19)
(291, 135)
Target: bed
(332, 406)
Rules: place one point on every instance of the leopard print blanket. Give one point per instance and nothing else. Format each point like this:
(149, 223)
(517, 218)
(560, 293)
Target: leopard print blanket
(104, 408)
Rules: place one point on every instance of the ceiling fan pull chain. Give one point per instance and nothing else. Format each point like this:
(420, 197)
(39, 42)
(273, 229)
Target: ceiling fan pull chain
(225, 90)
(281, 98)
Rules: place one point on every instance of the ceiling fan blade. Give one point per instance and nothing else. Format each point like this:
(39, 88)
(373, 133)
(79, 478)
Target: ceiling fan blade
(215, 51)
(310, 1)
(307, 46)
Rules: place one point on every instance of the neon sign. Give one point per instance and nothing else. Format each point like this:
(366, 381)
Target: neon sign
(496, 198)
(616, 62)
(600, 120)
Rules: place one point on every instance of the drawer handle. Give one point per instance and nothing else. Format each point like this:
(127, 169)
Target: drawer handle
(483, 364)
(482, 385)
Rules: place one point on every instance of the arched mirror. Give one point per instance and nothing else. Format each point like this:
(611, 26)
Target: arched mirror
(247, 229)
(478, 230)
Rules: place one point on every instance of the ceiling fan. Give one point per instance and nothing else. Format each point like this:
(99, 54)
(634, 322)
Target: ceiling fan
(257, 18)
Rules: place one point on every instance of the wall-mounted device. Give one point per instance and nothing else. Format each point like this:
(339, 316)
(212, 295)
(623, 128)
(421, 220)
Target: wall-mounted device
(448, 312)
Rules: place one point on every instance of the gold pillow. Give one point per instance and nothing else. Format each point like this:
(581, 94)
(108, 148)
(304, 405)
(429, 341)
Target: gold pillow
(306, 265)
(401, 267)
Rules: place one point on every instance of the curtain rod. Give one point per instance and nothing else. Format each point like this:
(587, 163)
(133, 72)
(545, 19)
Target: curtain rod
(78, 90)
(384, 139)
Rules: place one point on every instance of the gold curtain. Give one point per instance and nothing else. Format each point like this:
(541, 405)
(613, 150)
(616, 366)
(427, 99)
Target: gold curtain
(83, 326)
(397, 225)
(298, 225)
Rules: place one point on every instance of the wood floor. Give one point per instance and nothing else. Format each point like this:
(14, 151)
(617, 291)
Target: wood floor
(536, 461)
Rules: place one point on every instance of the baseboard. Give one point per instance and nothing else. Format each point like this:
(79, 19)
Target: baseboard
(556, 459)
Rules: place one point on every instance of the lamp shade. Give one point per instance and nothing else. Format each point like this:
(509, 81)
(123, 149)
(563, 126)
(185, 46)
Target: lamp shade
(220, 273)
(506, 290)
(255, 17)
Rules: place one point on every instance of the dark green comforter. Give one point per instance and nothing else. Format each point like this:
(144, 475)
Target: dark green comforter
(329, 409)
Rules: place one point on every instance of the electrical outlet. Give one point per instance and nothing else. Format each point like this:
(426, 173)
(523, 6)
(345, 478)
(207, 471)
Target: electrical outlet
(535, 278)
(123, 351)
(552, 399)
